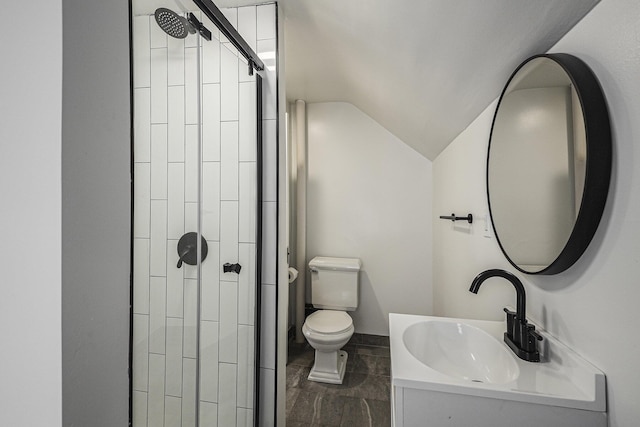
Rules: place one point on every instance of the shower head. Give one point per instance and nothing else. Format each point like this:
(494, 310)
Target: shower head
(178, 26)
(173, 24)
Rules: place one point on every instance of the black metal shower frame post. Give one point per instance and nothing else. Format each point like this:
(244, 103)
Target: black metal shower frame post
(131, 195)
(225, 27)
(258, 301)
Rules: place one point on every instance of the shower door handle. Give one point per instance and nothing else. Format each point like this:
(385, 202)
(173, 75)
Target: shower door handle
(231, 268)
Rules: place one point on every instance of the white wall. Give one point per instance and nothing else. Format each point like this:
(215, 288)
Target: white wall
(592, 307)
(369, 197)
(460, 250)
(30, 209)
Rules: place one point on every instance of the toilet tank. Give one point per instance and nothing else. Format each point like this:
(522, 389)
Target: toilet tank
(334, 283)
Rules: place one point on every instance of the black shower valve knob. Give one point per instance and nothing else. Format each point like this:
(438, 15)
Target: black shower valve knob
(188, 249)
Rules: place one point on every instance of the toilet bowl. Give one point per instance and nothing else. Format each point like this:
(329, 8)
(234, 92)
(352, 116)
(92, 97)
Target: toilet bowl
(327, 331)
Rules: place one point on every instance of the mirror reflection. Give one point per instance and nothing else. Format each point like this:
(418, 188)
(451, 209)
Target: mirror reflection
(536, 164)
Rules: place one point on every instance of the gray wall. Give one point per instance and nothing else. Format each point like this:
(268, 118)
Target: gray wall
(96, 211)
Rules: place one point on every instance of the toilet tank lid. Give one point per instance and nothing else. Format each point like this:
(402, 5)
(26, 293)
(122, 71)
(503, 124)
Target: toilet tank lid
(332, 263)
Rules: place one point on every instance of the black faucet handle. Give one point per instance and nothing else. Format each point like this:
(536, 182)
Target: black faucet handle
(530, 343)
(531, 331)
(511, 323)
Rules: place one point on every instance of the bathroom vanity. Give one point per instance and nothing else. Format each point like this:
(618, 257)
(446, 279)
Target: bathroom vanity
(459, 372)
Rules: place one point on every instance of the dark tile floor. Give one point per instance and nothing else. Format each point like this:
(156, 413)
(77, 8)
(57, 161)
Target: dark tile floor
(363, 399)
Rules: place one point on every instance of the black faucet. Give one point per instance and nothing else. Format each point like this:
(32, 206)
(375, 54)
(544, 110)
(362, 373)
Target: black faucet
(521, 337)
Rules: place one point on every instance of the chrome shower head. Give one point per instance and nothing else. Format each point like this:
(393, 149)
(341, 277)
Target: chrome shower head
(173, 24)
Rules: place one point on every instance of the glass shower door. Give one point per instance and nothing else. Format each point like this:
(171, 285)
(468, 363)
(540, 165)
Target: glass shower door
(195, 266)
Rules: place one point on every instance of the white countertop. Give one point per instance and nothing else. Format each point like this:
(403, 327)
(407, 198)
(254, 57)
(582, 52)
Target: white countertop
(562, 378)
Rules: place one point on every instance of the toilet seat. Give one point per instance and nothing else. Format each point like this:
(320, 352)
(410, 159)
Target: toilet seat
(329, 322)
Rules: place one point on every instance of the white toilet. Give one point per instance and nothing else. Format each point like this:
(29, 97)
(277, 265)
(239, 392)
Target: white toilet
(334, 289)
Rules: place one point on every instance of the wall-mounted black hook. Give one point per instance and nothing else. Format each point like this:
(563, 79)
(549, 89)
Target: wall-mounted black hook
(453, 217)
(188, 249)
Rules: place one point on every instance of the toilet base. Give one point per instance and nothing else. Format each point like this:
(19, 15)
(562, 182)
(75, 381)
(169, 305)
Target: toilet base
(329, 367)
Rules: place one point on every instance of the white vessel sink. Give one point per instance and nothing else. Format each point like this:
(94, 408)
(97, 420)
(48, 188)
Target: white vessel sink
(461, 351)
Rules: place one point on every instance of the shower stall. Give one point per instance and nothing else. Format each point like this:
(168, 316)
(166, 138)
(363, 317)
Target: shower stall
(198, 216)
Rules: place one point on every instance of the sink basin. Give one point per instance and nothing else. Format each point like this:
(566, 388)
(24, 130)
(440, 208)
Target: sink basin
(461, 351)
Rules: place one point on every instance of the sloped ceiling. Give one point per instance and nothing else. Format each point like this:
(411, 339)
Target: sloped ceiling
(423, 69)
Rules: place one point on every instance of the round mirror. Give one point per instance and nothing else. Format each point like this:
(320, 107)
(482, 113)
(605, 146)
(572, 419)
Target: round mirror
(549, 163)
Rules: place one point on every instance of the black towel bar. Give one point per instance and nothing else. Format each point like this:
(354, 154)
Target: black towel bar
(453, 217)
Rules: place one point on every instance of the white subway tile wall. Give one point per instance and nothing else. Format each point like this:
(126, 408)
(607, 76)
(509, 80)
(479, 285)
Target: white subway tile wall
(167, 169)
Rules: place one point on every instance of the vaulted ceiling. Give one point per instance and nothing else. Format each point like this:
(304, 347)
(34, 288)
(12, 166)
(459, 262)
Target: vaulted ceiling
(423, 69)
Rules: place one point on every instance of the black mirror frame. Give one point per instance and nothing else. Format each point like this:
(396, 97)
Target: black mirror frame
(598, 164)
